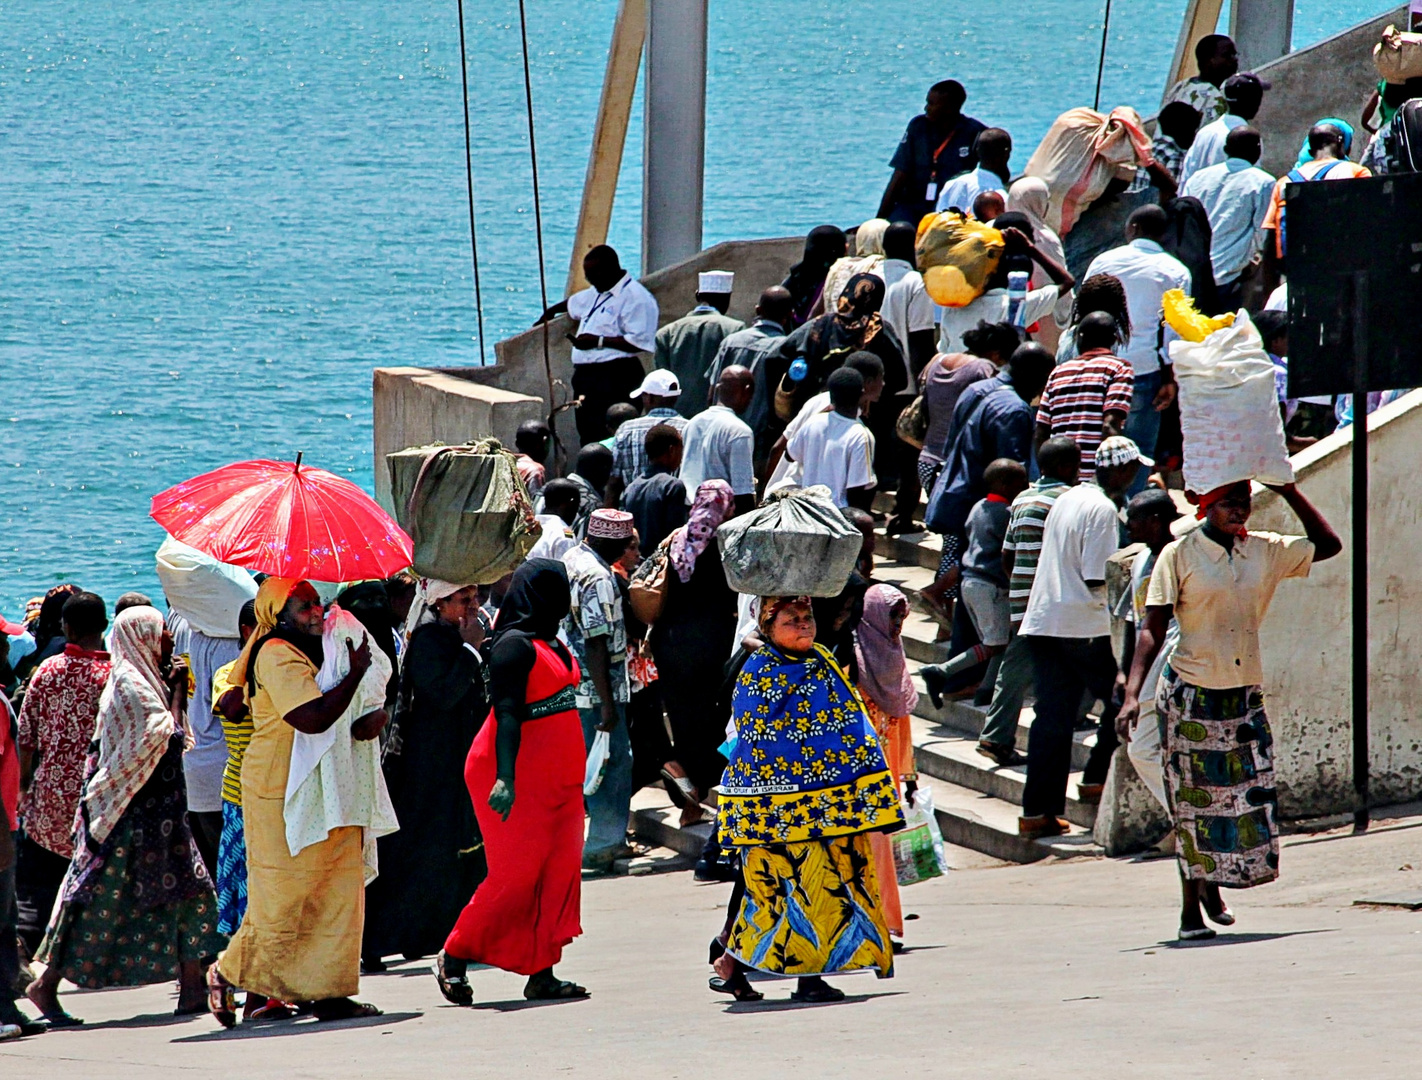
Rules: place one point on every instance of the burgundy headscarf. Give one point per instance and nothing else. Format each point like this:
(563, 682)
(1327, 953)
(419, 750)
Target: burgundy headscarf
(712, 506)
(883, 670)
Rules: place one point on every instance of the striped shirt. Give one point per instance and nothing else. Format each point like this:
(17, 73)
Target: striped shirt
(238, 735)
(1024, 540)
(1078, 396)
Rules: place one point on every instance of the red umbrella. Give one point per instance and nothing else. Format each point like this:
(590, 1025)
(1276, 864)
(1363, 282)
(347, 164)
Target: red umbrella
(285, 519)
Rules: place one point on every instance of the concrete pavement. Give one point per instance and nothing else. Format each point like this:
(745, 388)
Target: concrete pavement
(1062, 968)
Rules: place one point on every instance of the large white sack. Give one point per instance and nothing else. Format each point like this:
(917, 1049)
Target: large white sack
(1229, 410)
(207, 593)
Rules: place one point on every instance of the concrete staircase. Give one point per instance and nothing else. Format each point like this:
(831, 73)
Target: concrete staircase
(977, 803)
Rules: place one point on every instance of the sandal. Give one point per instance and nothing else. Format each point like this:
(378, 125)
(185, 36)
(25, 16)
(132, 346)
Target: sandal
(818, 994)
(738, 986)
(682, 791)
(1202, 934)
(272, 1010)
(555, 990)
(344, 1009)
(455, 988)
(221, 998)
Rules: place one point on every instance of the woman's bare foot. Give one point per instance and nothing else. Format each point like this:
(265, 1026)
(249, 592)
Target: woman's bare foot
(725, 966)
(44, 993)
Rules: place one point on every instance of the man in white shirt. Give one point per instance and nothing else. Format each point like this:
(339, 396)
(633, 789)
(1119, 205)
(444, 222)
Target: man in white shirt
(835, 448)
(1147, 272)
(992, 306)
(993, 148)
(1235, 195)
(617, 319)
(780, 470)
(719, 445)
(1243, 95)
(1068, 629)
(907, 309)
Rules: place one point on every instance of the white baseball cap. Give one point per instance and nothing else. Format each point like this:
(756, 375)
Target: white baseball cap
(716, 281)
(659, 383)
(1119, 450)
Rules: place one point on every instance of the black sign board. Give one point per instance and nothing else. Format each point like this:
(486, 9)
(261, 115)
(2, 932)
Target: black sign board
(1354, 258)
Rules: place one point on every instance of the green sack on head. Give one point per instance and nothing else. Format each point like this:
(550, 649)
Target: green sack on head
(465, 508)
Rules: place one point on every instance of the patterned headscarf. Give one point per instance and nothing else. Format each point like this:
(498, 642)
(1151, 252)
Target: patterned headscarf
(272, 596)
(859, 306)
(771, 606)
(712, 506)
(883, 671)
(134, 725)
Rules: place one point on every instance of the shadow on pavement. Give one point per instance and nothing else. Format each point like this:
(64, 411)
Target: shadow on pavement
(785, 1004)
(519, 1004)
(303, 1025)
(1223, 938)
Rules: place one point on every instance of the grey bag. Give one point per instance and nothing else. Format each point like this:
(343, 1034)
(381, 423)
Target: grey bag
(465, 508)
(797, 544)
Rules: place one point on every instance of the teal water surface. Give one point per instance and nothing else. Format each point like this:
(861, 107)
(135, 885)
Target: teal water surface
(218, 218)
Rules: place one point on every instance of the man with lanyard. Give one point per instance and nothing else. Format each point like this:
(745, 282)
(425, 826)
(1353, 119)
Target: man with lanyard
(937, 146)
(617, 319)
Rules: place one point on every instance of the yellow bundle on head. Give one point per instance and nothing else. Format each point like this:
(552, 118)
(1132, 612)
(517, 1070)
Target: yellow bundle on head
(1185, 319)
(958, 257)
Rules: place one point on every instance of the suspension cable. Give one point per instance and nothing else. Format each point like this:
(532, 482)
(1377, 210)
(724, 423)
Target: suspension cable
(1101, 63)
(469, 184)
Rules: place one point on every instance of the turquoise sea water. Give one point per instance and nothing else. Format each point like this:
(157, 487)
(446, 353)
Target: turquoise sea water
(217, 218)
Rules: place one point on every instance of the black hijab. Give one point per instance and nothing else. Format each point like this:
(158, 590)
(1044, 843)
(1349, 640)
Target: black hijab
(829, 608)
(538, 600)
(823, 245)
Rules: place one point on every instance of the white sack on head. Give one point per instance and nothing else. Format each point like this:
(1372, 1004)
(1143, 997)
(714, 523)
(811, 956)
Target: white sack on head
(207, 593)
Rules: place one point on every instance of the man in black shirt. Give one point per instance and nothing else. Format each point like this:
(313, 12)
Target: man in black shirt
(657, 499)
(937, 146)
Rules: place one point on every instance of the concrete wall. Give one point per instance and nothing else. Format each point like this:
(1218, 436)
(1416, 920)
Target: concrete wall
(1331, 78)
(1307, 638)
(416, 406)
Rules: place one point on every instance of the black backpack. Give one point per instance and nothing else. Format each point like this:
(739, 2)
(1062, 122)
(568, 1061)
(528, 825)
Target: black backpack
(1407, 137)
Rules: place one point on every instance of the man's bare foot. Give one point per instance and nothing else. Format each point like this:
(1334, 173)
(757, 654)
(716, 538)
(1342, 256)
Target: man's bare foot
(44, 997)
(692, 815)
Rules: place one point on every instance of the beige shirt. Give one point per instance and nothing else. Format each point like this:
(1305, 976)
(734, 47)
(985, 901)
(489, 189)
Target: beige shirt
(1220, 598)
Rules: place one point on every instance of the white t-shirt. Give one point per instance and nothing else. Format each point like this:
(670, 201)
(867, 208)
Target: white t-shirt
(906, 308)
(990, 307)
(834, 450)
(1082, 533)
(717, 445)
(557, 538)
(787, 472)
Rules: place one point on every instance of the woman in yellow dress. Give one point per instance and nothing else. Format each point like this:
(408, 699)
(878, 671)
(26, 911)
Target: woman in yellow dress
(301, 933)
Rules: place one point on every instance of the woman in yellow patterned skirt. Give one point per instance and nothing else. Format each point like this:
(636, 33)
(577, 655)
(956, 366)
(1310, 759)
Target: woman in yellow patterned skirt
(805, 786)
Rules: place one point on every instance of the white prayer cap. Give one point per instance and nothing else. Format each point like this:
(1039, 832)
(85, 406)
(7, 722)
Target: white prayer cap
(715, 281)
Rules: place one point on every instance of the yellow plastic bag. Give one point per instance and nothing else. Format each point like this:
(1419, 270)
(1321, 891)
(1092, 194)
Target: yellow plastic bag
(1185, 319)
(958, 257)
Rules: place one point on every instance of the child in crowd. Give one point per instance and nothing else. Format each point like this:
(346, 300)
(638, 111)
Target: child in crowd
(984, 581)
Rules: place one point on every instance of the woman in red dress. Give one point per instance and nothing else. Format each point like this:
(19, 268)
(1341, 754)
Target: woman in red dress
(525, 775)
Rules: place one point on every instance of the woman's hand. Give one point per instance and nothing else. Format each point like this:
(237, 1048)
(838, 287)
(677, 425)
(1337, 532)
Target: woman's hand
(359, 657)
(471, 628)
(178, 676)
(501, 798)
(1127, 717)
(370, 725)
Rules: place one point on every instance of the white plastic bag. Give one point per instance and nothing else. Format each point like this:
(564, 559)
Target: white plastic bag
(1229, 410)
(598, 754)
(918, 846)
(207, 593)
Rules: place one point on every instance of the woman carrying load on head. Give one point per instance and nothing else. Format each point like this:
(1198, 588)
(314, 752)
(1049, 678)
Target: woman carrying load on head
(805, 787)
(137, 905)
(300, 936)
(431, 866)
(1217, 582)
(525, 776)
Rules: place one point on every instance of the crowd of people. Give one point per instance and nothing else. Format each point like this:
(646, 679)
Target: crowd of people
(146, 774)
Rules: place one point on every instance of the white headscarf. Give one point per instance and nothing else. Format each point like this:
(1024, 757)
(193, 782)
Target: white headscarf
(134, 725)
(428, 593)
(1031, 197)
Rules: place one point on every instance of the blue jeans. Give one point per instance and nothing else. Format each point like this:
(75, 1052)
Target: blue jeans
(609, 805)
(1143, 424)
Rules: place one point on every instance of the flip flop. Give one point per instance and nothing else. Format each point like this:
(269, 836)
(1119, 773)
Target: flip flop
(562, 990)
(272, 1010)
(61, 1019)
(455, 988)
(1202, 934)
(681, 790)
(740, 990)
(818, 995)
(347, 1010)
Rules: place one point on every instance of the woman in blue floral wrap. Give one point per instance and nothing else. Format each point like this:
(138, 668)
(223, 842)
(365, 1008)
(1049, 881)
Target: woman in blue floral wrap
(805, 786)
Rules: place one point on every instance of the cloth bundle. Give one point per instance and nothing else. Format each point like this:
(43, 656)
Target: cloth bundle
(1082, 152)
(207, 593)
(335, 780)
(1229, 406)
(797, 544)
(466, 510)
(958, 257)
(1398, 56)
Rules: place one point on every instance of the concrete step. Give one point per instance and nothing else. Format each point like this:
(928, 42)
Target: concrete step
(965, 719)
(656, 821)
(989, 825)
(914, 549)
(954, 758)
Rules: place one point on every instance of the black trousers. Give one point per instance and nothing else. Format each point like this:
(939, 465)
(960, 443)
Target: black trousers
(9, 941)
(602, 386)
(207, 831)
(38, 874)
(1065, 667)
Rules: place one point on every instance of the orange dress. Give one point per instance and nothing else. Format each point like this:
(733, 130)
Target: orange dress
(896, 740)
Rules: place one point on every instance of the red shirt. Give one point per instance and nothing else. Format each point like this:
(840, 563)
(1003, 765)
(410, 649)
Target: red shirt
(1078, 396)
(9, 764)
(57, 720)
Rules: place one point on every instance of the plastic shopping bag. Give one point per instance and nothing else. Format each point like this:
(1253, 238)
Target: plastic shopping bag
(958, 257)
(1229, 404)
(918, 847)
(598, 754)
